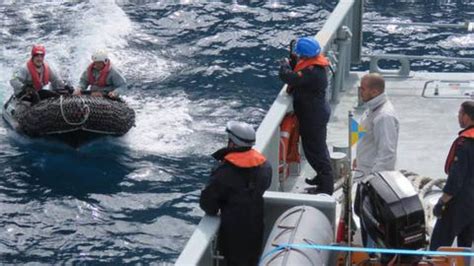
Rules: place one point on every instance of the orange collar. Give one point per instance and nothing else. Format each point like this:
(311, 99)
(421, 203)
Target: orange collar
(467, 133)
(246, 159)
(319, 60)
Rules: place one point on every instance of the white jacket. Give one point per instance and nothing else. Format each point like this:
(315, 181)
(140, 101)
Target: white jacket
(377, 149)
(115, 81)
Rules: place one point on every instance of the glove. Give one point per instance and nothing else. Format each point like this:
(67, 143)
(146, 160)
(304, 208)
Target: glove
(290, 89)
(438, 209)
(112, 94)
(28, 89)
(69, 88)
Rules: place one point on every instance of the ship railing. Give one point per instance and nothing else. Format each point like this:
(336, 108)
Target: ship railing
(404, 61)
(469, 26)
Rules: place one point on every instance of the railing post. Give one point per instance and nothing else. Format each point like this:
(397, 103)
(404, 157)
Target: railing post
(356, 27)
(403, 71)
(343, 39)
(273, 156)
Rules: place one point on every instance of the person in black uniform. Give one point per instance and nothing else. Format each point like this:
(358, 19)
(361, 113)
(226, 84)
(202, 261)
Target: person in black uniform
(454, 208)
(307, 80)
(236, 188)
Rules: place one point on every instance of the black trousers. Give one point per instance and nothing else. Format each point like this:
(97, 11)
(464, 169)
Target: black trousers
(313, 116)
(450, 226)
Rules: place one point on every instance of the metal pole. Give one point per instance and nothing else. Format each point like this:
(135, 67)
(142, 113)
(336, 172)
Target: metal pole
(343, 40)
(420, 24)
(472, 250)
(356, 28)
(420, 57)
(349, 192)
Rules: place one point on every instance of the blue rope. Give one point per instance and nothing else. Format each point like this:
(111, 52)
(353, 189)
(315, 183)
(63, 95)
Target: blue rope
(368, 250)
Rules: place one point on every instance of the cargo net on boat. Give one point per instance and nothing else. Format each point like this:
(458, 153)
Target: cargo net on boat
(69, 113)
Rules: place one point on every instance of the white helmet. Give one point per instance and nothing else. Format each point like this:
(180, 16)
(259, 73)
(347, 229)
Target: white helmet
(100, 56)
(242, 134)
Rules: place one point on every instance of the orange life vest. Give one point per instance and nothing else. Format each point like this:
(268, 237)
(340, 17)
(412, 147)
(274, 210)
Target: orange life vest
(303, 63)
(289, 139)
(246, 159)
(101, 81)
(35, 76)
(319, 60)
(467, 133)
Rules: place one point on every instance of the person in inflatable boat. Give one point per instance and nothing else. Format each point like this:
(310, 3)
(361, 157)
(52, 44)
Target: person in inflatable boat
(29, 81)
(101, 77)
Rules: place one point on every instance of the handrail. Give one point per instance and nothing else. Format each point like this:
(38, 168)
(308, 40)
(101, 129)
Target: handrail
(467, 25)
(419, 57)
(194, 251)
(329, 31)
(279, 108)
(268, 133)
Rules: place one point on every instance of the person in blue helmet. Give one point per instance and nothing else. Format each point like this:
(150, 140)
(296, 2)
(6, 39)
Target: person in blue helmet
(307, 81)
(236, 189)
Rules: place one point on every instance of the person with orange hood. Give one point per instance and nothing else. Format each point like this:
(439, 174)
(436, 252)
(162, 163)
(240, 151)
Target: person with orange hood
(454, 209)
(236, 189)
(32, 78)
(307, 81)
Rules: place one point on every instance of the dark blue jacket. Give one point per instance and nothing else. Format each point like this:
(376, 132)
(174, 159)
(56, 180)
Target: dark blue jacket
(236, 189)
(460, 182)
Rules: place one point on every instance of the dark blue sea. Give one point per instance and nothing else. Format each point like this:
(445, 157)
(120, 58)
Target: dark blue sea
(191, 66)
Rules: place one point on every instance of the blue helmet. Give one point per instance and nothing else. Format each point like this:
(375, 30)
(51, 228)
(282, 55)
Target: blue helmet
(307, 47)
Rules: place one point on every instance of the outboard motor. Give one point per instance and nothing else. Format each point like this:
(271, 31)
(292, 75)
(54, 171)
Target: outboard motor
(391, 213)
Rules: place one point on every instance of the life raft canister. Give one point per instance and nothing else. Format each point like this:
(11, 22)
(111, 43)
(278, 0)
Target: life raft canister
(289, 140)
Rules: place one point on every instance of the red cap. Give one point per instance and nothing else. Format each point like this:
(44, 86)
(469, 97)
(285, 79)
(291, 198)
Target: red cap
(38, 49)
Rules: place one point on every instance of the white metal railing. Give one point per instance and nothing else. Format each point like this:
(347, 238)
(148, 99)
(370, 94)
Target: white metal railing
(404, 60)
(469, 26)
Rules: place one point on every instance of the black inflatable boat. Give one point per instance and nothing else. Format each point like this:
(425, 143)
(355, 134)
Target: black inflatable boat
(72, 119)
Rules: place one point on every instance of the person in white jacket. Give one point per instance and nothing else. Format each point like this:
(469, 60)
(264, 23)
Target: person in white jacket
(377, 150)
(101, 77)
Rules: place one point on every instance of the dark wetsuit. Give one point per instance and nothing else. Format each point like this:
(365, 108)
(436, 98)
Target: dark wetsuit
(313, 111)
(236, 189)
(457, 219)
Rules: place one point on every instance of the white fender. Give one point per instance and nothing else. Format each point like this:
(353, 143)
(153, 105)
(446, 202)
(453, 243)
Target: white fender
(299, 225)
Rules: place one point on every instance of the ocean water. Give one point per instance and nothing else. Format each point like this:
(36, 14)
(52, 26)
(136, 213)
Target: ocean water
(191, 66)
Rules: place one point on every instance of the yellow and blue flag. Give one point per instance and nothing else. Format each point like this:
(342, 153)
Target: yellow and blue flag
(356, 131)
